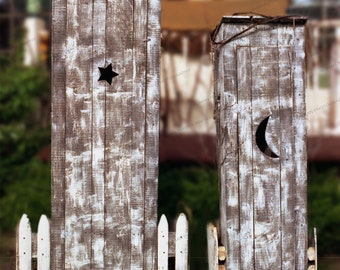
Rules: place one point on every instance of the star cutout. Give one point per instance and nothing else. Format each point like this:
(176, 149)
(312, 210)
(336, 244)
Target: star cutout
(106, 74)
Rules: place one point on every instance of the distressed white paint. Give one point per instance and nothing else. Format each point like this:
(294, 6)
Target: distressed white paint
(105, 153)
(256, 75)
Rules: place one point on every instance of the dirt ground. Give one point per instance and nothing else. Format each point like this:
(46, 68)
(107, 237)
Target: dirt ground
(7, 252)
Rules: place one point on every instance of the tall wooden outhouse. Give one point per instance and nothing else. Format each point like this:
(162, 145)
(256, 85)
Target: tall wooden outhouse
(261, 140)
(105, 100)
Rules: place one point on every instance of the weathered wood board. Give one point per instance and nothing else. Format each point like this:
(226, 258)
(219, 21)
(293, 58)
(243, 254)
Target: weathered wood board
(260, 118)
(105, 133)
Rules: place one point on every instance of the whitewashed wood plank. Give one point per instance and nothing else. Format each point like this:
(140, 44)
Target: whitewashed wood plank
(266, 170)
(138, 131)
(98, 134)
(58, 116)
(212, 247)
(152, 132)
(119, 150)
(163, 243)
(285, 35)
(245, 150)
(43, 244)
(300, 155)
(228, 142)
(78, 184)
(24, 244)
(228, 160)
(181, 259)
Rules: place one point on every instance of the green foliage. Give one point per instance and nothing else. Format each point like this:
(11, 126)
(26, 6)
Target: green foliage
(324, 208)
(194, 191)
(29, 193)
(23, 178)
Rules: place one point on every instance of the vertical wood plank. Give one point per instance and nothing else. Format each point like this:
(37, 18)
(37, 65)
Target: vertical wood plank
(245, 150)
(119, 135)
(152, 132)
(163, 244)
(228, 161)
(78, 191)
(229, 157)
(285, 35)
(138, 131)
(266, 170)
(300, 156)
(58, 124)
(98, 134)
(43, 244)
(24, 244)
(181, 259)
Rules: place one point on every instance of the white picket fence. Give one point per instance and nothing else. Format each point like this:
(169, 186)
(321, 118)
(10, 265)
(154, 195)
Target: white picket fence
(31, 246)
(173, 244)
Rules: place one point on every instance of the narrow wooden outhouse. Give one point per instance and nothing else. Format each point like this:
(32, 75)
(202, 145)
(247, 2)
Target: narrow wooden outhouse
(105, 100)
(261, 133)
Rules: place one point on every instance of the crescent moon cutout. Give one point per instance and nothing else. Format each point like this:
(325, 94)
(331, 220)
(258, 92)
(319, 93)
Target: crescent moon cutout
(261, 139)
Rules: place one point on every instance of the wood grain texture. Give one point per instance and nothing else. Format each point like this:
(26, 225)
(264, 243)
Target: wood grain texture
(152, 95)
(105, 138)
(58, 120)
(98, 135)
(263, 199)
(245, 153)
(266, 170)
(300, 164)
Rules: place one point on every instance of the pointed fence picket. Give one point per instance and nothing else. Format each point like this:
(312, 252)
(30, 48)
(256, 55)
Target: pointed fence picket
(33, 245)
(212, 247)
(173, 244)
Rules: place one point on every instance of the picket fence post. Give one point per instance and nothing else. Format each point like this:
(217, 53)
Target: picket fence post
(181, 243)
(24, 244)
(173, 244)
(43, 243)
(163, 240)
(212, 247)
(31, 245)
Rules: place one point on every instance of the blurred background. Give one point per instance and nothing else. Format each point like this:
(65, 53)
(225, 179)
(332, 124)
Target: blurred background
(188, 175)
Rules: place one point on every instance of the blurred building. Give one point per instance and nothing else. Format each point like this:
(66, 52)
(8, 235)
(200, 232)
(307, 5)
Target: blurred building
(187, 104)
(323, 76)
(15, 17)
(187, 124)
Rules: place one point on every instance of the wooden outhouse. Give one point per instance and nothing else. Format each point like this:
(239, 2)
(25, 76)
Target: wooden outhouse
(259, 69)
(105, 100)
